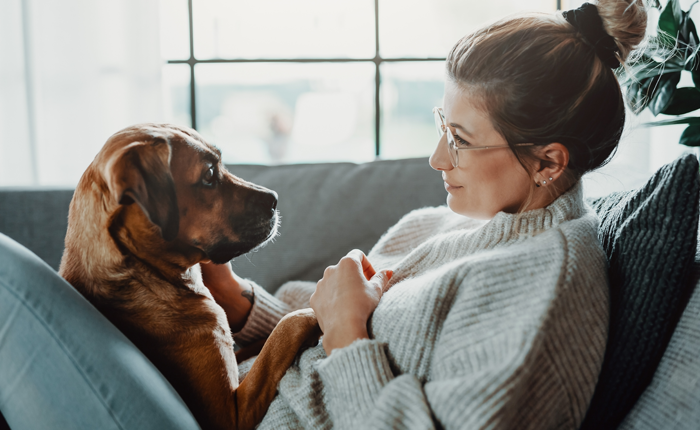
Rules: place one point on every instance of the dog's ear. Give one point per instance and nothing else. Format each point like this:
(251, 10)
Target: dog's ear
(140, 173)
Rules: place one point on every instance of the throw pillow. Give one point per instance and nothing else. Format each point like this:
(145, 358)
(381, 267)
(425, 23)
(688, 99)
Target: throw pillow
(672, 400)
(649, 236)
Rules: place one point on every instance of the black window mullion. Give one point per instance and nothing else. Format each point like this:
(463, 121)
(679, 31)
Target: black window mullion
(192, 62)
(377, 60)
(377, 81)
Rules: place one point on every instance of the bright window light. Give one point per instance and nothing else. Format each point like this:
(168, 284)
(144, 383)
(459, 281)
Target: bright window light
(269, 81)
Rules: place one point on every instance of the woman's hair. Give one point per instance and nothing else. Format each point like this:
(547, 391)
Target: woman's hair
(541, 82)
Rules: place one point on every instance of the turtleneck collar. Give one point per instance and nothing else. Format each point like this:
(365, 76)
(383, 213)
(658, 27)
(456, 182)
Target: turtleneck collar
(505, 227)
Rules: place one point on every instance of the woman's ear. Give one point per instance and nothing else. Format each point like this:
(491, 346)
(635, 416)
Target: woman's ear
(552, 162)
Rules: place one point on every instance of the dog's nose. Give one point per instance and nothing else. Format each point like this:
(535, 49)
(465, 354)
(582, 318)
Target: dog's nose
(265, 200)
(272, 197)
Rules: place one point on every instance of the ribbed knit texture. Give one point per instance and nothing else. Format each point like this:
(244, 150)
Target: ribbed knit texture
(263, 317)
(498, 324)
(672, 400)
(649, 236)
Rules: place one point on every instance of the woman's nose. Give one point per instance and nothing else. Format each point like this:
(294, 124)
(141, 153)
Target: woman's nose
(440, 160)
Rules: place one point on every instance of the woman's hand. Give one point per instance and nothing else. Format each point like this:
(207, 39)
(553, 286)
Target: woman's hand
(230, 291)
(346, 297)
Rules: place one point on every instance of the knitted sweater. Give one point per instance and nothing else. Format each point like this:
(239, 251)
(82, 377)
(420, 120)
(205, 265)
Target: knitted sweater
(498, 324)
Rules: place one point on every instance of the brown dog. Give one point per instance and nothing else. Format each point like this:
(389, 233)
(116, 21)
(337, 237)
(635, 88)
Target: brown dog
(156, 201)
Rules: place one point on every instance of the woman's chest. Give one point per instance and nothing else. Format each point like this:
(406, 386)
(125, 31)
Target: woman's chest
(409, 319)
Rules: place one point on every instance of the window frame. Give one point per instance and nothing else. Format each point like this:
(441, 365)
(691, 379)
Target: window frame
(192, 61)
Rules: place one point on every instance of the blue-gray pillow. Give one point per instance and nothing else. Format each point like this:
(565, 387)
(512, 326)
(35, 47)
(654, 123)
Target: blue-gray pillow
(63, 365)
(649, 236)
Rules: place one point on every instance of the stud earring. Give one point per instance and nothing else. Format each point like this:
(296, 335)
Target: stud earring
(537, 185)
(544, 182)
(550, 179)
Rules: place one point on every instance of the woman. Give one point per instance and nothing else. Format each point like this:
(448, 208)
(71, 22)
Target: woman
(496, 313)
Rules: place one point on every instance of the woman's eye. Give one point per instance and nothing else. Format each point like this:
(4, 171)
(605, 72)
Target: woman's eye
(209, 177)
(461, 141)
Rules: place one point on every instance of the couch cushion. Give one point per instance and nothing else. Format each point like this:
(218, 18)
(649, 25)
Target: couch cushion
(672, 400)
(37, 218)
(649, 236)
(329, 209)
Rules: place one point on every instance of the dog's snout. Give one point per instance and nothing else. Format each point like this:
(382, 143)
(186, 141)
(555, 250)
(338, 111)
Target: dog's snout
(265, 200)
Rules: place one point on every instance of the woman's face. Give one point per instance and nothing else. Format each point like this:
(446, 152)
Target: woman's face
(486, 181)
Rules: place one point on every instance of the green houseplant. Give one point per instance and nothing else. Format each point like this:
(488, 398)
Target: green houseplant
(651, 81)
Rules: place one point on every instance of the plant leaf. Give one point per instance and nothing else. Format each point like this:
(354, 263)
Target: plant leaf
(684, 100)
(692, 120)
(662, 92)
(696, 79)
(646, 68)
(637, 93)
(691, 136)
(670, 20)
(687, 33)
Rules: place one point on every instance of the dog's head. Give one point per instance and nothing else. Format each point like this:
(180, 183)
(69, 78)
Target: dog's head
(174, 184)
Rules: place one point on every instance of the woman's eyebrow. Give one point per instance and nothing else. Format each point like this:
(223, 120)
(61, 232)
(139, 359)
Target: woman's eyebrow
(452, 124)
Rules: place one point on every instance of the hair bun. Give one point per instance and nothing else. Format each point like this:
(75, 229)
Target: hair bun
(625, 21)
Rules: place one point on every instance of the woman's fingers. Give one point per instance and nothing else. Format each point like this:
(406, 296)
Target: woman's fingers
(360, 257)
(218, 276)
(380, 281)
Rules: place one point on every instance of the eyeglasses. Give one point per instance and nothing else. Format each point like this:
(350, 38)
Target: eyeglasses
(453, 150)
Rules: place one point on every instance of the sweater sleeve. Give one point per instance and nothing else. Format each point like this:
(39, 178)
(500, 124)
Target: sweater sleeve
(266, 312)
(268, 309)
(364, 393)
(507, 393)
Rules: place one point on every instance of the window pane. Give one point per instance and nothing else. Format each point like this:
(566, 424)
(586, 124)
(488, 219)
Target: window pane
(571, 4)
(409, 92)
(174, 30)
(176, 94)
(17, 160)
(287, 113)
(283, 29)
(429, 28)
(96, 69)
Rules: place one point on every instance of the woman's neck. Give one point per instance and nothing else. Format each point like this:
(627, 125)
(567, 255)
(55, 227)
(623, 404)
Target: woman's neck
(548, 193)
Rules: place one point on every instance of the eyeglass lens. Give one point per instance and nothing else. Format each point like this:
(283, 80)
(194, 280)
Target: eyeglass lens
(439, 122)
(443, 129)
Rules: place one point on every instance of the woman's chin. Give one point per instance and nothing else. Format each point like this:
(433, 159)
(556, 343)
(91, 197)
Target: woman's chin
(455, 204)
(461, 207)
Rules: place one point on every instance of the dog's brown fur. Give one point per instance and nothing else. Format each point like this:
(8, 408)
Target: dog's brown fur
(137, 263)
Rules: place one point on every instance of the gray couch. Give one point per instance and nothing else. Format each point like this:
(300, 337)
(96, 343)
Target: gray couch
(328, 209)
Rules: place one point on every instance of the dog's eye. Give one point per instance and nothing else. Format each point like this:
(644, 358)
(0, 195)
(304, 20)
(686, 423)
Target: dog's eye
(209, 177)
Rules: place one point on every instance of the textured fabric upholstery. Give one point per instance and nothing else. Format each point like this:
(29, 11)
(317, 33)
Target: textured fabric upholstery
(36, 218)
(327, 210)
(672, 400)
(649, 236)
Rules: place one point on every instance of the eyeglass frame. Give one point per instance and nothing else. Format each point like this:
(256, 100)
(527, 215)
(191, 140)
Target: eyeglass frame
(452, 148)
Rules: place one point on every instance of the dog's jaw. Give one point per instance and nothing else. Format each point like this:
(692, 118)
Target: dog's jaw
(274, 231)
(255, 238)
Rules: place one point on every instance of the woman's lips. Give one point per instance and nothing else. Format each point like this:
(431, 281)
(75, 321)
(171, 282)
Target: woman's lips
(450, 187)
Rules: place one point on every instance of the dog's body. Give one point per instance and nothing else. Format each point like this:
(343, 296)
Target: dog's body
(137, 263)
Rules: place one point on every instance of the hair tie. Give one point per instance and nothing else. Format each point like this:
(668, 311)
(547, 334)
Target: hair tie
(588, 22)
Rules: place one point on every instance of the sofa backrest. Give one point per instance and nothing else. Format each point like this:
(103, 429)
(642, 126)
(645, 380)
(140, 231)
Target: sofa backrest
(37, 218)
(329, 209)
(326, 209)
